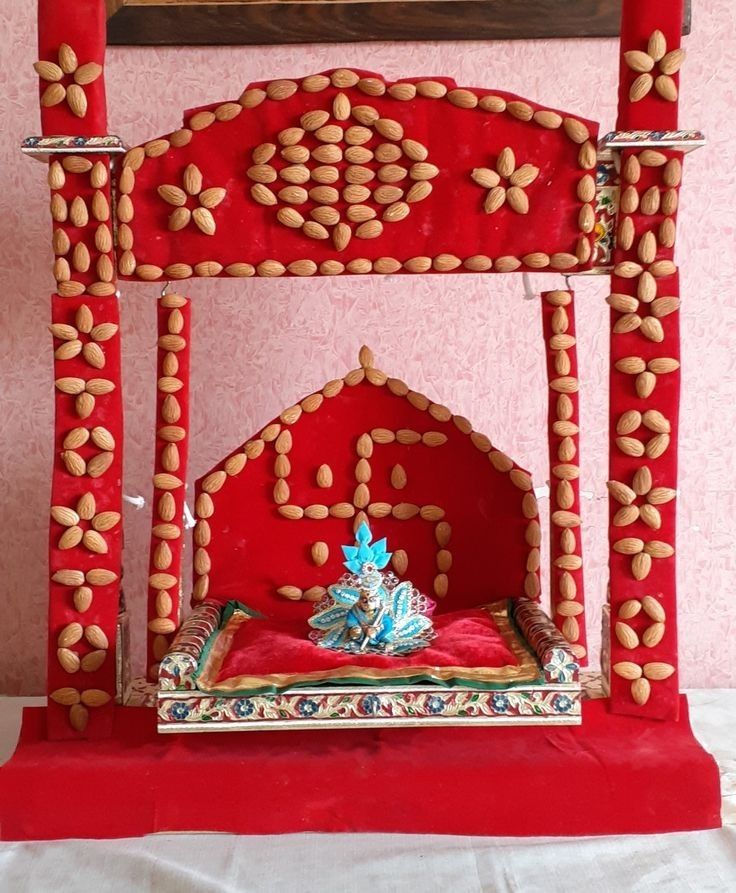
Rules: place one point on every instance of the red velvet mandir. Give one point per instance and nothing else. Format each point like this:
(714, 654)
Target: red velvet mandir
(192, 229)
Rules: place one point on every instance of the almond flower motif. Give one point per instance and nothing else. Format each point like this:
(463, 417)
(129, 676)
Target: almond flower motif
(654, 69)
(650, 497)
(68, 68)
(506, 183)
(646, 371)
(653, 421)
(642, 314)
(89, 535)
(205, 199)
(642, 552)
(89, 346)
(647, 273)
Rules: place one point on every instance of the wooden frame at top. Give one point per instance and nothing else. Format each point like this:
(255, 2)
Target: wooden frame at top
(243, 22)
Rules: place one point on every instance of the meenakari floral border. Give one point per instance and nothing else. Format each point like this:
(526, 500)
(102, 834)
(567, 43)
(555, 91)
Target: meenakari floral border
(683, 140)
(41, 147)
(310, 709)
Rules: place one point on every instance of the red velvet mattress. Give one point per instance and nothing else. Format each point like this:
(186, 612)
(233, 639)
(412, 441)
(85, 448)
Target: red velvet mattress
(479, 647)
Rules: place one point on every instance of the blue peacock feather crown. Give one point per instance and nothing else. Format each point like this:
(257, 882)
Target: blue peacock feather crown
(363, 551)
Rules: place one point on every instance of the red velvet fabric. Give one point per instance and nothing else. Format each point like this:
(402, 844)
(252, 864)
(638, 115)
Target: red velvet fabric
(254, 550)
(557, 573)
(262, 647)
(66, 491)
(82, 25)
(450, 220)
(638, 21)
(611, 775)
(178, 494)
(652, 112)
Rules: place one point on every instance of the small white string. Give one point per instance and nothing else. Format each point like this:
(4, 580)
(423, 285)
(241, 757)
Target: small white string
(189, 519)
(529, 294)
(136, 501)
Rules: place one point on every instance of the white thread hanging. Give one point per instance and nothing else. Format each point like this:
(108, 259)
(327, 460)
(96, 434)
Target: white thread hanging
(189, 519)
(529, 293)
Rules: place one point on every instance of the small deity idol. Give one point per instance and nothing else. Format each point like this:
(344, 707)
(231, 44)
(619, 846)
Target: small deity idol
(367, 621)
(369, 611)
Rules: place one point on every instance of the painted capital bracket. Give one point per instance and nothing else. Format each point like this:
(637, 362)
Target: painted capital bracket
(45, 148)
(684, 141)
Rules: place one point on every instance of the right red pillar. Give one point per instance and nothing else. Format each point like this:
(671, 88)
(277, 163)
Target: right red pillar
(644, 375)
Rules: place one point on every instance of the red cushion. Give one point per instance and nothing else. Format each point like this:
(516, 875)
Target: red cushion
(477, 645)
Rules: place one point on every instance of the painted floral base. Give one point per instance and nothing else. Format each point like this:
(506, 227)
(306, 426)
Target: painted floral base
(558, 705)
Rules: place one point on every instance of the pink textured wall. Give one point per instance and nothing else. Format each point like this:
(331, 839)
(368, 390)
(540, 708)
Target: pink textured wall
(472, 343)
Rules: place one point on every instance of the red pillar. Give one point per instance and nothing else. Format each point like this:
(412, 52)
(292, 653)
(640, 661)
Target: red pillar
(170, 476)
(86, 527)
(645, 381)
(567, 595)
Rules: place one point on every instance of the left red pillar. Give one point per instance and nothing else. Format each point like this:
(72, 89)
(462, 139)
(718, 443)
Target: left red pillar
(85, 528)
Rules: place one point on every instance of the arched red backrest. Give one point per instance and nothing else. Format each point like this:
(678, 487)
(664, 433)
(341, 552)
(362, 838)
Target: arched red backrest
(462, 495)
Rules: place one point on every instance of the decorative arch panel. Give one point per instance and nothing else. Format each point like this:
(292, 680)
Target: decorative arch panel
(346, 172)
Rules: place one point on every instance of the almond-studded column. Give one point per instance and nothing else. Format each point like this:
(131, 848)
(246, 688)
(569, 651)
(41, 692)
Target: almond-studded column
(170, 476)
(566, 548)
(645, 360)
(85, 534)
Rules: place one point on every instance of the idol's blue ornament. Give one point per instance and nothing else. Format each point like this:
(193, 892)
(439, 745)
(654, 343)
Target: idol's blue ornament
(369, 611)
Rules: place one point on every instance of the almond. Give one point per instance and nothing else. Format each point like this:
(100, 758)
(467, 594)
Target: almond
(293, 593)
(400, 562)
(640, 87)
(640, 691)
(431, 513)
(70, 635)
(627, 670)
(626, 635)
(65, 696)
(653, 635)
(68, 659)
(67, 577)
(292, 512)
(99, 576)
(93, 661)
(320, 553)
(658, 670)
(96, 637)
(398, 477)
(641, 565)
(314, 594)
(95, 697)
(82, 598)
(78, 717)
